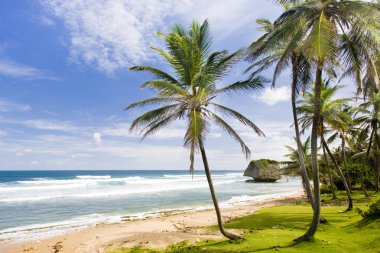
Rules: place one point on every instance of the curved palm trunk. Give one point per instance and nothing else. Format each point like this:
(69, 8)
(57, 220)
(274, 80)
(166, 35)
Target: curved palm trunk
(305, 177)
(377, 171)
(329, 172)
(314, 156)
(345, 162)
(340, 173)
(367, 154)
(213, 196)
(362, 179)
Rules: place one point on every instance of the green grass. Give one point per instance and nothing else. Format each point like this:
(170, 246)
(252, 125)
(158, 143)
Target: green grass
(273, 229)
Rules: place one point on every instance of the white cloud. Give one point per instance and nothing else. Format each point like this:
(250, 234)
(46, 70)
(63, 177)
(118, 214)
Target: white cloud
(228, 16)
(55, 125)
(122, 130)
(116, 34)
(18, 70)
(97, 138)
(3, 133)
(46, 21)
(272, 96)
(8, 106)
(74, 149)
(112, 34)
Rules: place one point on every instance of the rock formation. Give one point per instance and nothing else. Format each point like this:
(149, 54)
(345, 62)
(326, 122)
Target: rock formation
(263, 170)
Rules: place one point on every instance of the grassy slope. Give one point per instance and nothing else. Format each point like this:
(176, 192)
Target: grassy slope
(273, 229)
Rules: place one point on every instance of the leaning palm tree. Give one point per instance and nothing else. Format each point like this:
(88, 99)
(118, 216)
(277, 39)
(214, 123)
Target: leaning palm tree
(328, 32)
(332, 117)
(263, 56)
(190, 95)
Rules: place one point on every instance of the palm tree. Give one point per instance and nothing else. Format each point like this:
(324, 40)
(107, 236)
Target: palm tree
(328, 172)
(332, 115)
(263, 56)
(190, 95)
(369, 121)
(328, 32)
(358, 143)
(343, 130)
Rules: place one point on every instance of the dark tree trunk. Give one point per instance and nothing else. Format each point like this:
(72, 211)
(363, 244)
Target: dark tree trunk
(314, 156)
(377, 162)
(362, 179)
(214, 199)
(329, 173)
(369, 148)
(305, 177)
(340, 173)
(349, 181)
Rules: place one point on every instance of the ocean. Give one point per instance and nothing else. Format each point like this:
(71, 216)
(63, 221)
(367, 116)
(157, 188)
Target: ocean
(40, 204)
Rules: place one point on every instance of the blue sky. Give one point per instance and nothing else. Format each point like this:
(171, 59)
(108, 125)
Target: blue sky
(64, 82)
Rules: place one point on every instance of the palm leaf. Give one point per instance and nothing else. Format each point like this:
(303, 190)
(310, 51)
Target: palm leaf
(239, 117)
(224, 125)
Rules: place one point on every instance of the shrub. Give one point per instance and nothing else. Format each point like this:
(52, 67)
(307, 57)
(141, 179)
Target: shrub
(373, 211)
(327, 188)
(354, 170)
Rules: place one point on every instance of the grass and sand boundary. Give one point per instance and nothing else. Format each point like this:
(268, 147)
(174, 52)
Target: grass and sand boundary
(267, 226)
(152, 232)
(274, 228)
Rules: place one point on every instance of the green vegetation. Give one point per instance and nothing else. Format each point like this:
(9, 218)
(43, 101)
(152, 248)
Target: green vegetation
(274, 229)
(373, 212)
(332, 38)
(264, 162)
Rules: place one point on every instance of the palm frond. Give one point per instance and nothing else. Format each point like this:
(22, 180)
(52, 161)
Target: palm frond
(239, 117)
(243, 86)
(225, 126)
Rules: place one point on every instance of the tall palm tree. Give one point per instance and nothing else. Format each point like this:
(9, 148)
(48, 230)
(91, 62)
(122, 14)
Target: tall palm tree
(358, 143)
(344, 130)
(263, 57)
(328, 32)
(190, 95)
(369, 121)
(328, 172)
(332, 116)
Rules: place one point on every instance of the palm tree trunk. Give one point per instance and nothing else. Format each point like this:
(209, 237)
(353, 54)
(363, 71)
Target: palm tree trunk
(340, 173)
(305, 177)
(362, 179)
(344, 158)
(377, 162)
(213, 196)
(369, 147)
(329, 173)
(345, 162)
(314, 156)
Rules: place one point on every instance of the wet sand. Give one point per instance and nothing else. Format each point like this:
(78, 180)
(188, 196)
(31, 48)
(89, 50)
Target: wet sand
(157, 232)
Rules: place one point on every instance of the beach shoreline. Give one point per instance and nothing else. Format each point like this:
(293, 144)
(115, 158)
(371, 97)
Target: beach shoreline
(153, 232)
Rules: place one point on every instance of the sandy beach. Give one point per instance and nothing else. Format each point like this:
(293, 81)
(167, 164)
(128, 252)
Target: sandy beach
(157, 232)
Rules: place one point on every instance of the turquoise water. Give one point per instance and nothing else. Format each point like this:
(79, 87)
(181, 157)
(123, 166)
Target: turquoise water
(37, 204)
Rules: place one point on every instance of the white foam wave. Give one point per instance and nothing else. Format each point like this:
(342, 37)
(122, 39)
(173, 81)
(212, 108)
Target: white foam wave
(144, 187)
(148, 185)
(94, 177)
(246, 198)
(40, 231)
(78, 180)
(87, 186)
